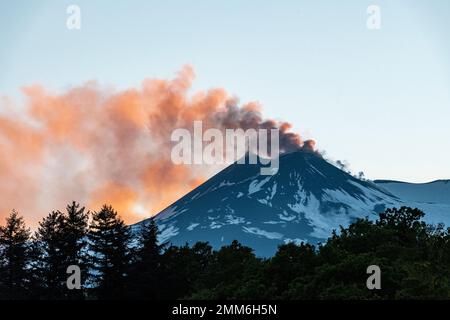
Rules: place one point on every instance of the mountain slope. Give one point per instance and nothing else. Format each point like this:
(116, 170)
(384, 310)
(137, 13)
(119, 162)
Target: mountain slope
(304, 201)
(432, 192)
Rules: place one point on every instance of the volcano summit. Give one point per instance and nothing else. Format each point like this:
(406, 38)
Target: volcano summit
(304, 201)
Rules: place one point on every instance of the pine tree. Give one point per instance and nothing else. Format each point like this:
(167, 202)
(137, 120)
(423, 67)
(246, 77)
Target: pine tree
(14, 258)
(109, 238)
(49, 241)
(74, 232)
(145, 272)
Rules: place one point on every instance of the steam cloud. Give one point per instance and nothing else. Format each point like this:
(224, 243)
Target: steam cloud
(97, 146)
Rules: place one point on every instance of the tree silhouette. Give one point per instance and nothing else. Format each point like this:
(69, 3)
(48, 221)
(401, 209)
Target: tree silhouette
(14, 258)
(74, 232)
(412, 255)
(49, 241)
(108, 238)
(145, 273)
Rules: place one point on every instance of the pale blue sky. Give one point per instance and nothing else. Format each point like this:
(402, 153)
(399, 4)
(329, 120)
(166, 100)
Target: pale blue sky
(378, 99)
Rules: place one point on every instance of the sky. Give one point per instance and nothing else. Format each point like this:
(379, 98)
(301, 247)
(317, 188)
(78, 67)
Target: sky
(378, 99)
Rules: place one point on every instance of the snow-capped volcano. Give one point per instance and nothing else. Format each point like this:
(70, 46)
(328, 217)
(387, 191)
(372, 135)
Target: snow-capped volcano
(436, 192)
(304, 201)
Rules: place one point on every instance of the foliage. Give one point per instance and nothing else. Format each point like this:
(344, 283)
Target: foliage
(413, 258)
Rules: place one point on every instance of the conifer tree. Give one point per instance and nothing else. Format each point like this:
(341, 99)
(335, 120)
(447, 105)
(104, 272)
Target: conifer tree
(150, 249)
(74, 232)
(109, 239)
(14, 258)
(60, 241)
(145, 272)
(49, 242)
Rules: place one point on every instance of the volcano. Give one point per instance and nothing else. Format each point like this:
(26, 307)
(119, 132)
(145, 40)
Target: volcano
(304, 201)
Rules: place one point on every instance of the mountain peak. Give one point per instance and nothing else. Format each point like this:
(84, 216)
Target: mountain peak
(303, 202)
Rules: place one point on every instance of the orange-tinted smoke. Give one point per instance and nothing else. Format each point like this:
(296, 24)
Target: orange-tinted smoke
(97, 146)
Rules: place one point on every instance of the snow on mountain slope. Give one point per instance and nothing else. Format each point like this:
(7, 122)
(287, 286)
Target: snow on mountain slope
(433, 198)
(432, 192)
(304, 201)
